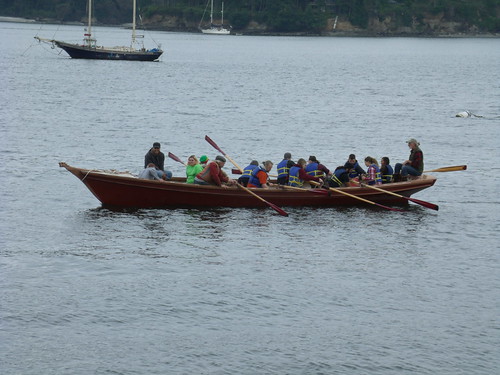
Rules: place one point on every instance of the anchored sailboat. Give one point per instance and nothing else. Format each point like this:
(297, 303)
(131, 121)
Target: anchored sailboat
(216, 29)
(90, 50)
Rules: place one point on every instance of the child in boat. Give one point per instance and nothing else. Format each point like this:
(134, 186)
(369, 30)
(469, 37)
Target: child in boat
(386, 170)
(373, 176)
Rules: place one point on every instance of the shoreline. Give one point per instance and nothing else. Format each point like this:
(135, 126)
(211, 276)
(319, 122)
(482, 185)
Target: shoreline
(334, 34)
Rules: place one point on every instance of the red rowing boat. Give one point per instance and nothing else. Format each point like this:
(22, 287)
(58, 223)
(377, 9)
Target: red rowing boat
(117, 189)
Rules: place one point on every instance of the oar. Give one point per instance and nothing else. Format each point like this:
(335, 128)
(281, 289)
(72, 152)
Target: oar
(315, 191)
(272, 205)
(359, 198)
(448, 169)
(237, 171)
(417, 201)
(214, 145)
(172, 156)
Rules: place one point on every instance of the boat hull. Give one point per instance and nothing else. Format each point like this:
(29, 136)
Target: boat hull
(216, 31)
(82, 52)
(131, 192)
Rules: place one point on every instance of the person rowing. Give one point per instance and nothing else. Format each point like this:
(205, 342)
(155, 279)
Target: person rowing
(247, 172)
(373, 176)
(316, 169)
(260, 176)
(356, 170)
(298, 175)
(284, 168)
(212, 174)
(386, 170)
(340, 177)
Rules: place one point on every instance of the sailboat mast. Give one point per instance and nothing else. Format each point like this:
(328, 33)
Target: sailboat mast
(88, 34)
(133, 22)
(222, 13)
(212, 12)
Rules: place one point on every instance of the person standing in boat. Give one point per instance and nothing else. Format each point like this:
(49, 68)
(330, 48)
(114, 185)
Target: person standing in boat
(247, 172)
(192, 169)
(386, 170)
(298, 175)
(212, 174)
(373, 176)
(260, 176)
(414, 166)
(356, 170)
(315, 168)
(284, 168)
(157, 157)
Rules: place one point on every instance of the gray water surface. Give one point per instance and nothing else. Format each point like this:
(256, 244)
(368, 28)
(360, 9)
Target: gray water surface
(87, 290)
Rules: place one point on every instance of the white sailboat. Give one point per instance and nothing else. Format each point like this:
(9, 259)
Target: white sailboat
(90, 50)
(215, 29)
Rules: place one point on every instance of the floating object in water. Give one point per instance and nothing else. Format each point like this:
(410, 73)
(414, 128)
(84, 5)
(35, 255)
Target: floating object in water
(465, 114)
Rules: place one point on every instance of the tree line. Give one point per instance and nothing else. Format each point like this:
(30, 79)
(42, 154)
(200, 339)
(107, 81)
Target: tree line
(277, 15)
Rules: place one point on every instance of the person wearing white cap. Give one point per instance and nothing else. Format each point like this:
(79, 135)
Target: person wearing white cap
(414, 166)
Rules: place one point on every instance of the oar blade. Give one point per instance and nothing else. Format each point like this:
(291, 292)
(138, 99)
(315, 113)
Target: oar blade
(388, 208)
(430, 205)
(277, 209)
(449, 169)
(174, 157)
(213, 144)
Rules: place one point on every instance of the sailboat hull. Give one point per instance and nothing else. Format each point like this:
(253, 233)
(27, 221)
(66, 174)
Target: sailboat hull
(216, 31)
(99, 53)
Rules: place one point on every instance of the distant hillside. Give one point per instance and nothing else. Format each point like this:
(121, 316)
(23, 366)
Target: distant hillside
(371, 17)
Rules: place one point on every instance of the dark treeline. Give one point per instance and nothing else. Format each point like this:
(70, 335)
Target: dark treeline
(277, 15)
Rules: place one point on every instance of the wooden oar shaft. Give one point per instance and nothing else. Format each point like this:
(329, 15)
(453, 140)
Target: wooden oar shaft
(214, 145)
(234, 163)
(418, 201)
(273, 206)
(315, 191)
(356, 197)
(448, 169)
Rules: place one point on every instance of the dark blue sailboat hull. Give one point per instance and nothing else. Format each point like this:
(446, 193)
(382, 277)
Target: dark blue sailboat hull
(83, 52)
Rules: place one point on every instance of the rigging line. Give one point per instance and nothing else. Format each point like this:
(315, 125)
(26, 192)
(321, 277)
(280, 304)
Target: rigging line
(90, 170)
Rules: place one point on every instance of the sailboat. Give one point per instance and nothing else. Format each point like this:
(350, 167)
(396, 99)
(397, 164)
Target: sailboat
(215, 28)
(90, 50)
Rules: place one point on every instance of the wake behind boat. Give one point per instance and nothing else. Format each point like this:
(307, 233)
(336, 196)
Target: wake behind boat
(121, 189)
(90, 50)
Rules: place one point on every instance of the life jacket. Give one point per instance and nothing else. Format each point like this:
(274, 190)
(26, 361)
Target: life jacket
(388, 176)
(353, 173)
(283, 169)
(336, 176)
(254, 179)
(294, 179)
(248, 170)
(312, 170)
(378, 177)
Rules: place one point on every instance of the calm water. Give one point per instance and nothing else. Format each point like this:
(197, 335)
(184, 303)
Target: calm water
(85, 290)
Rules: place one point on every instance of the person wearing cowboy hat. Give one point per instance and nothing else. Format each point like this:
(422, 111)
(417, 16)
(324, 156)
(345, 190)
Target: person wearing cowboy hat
(414, 166)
